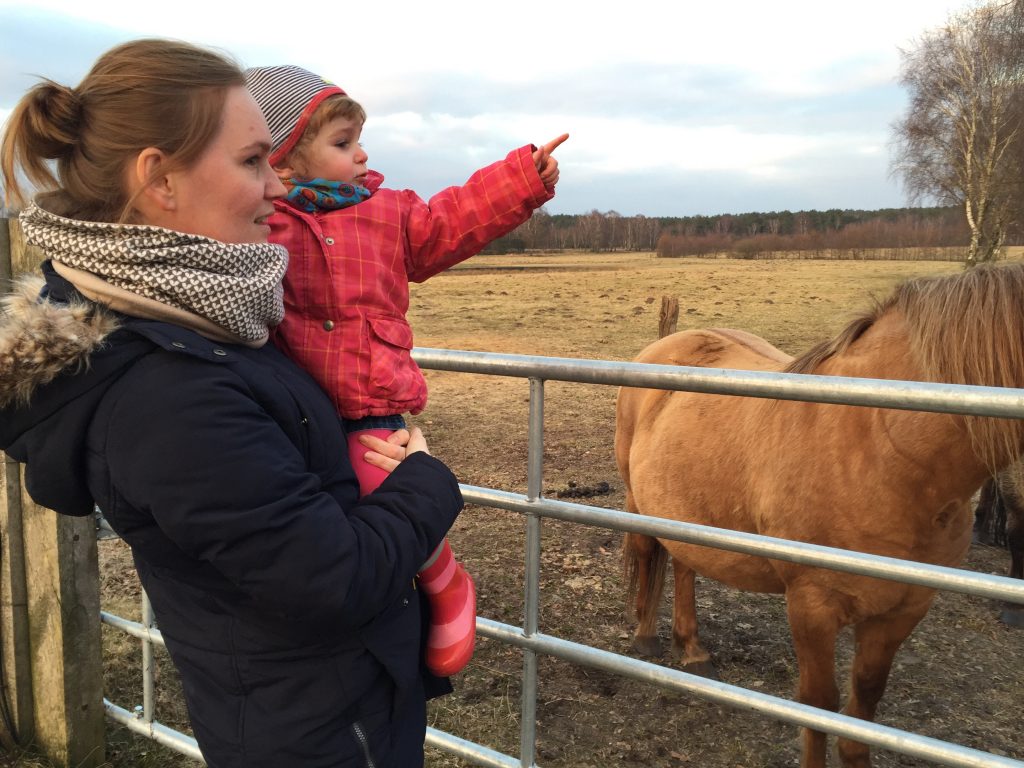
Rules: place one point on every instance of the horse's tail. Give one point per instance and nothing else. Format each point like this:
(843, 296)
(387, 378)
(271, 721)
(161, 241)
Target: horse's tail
(643, 561)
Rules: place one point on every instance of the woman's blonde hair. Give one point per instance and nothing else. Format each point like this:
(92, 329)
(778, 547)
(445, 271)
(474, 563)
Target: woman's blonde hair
(145, 93)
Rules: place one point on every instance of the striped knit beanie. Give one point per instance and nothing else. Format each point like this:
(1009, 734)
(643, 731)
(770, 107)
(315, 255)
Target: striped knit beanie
(288, 96)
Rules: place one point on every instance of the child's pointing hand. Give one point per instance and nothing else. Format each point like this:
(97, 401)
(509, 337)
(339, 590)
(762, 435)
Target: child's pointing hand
(547, 166)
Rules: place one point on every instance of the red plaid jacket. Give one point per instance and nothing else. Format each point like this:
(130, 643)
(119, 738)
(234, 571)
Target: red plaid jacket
(346, 293)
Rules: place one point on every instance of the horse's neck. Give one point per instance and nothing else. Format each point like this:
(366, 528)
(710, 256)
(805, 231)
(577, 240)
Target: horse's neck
(881, 352)
(915, 444)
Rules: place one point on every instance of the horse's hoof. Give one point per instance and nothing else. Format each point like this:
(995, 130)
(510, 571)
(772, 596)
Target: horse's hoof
(702, 669)
(647, 646)
(1013, 616)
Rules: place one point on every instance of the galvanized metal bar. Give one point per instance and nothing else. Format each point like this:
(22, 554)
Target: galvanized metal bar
(133, 628)
(884, 393)
(936, 576)
(103, 529)
(469, 750)
(885, 737)
(531, 619)
(148, 700)
(159, 733)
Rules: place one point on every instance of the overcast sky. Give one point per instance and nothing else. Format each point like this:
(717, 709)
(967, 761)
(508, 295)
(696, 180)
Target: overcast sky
(674, 108)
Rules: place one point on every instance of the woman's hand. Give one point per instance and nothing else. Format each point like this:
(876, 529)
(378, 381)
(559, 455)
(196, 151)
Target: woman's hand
(388, 454)
(547, 166)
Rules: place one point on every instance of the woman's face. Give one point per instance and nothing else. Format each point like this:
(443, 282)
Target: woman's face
(228, 193)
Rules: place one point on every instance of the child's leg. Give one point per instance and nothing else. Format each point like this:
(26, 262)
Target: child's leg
(368, 475)
(447, 585)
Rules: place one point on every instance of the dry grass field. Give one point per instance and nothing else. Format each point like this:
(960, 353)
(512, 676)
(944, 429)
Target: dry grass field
(960, 676)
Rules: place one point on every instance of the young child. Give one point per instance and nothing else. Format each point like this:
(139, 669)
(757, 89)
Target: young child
(354, 246)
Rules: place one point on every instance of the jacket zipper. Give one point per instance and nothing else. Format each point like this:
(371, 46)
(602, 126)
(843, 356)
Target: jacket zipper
(357, 729)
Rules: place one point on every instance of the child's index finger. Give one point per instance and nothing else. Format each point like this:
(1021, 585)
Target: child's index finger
(552, 145)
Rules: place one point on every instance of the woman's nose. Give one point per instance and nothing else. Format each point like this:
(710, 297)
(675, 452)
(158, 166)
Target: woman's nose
(275, 188)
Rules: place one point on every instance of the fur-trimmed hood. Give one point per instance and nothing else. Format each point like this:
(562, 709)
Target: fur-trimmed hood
(40, 340)
(58, 358)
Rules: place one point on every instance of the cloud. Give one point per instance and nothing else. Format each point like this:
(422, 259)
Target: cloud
(674, 109)
(70, 47)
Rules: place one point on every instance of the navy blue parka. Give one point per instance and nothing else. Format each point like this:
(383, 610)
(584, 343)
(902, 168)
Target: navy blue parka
(287, 604)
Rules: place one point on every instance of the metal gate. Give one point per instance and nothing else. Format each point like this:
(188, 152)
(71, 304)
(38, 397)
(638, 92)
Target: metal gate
(942, 398)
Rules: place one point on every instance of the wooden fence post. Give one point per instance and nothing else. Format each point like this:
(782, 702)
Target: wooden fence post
(53, 670)
(669, 317)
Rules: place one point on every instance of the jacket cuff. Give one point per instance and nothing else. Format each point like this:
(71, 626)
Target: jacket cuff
(443, 482)
(524, 157)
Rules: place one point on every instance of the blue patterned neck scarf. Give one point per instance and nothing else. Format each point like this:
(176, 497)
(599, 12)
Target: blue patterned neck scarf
(322, 195)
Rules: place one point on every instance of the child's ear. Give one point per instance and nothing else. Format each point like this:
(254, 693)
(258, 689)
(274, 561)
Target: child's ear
(284, 172)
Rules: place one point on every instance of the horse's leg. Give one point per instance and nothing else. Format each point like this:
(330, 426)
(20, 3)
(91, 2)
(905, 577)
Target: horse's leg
(877, 640)
(1013, 614)
(685, 640)
(982, 533)
(1012, 491)
(815, 627)
(1015, 536)
(645, 559)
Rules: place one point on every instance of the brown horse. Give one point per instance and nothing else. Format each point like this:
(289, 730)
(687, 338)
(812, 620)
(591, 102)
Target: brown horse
(883, 481)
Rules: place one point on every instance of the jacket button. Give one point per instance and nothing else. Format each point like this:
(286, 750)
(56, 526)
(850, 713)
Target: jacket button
(220, 352)
(328, 325)
(329, 240)
(178, 344)
(405, 601)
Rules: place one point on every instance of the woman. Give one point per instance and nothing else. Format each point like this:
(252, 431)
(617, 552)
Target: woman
(139, 378)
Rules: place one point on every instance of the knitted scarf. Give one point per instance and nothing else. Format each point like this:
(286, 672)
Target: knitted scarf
(230, 292)
(322, 195)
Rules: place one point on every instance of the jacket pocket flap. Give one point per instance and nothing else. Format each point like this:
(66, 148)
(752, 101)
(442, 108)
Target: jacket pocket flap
(398, 333)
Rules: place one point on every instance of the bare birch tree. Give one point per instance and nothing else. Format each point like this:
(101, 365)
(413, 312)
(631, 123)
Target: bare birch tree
(960, 141)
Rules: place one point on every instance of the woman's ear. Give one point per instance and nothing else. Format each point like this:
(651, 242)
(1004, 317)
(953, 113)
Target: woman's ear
(155, 187)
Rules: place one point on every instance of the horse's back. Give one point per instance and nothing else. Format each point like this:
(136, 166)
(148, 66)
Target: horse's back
(705, 348)
(654, 415)
(715, 348)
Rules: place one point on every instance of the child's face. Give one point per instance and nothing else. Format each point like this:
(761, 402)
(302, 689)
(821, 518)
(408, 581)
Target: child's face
(334, 154)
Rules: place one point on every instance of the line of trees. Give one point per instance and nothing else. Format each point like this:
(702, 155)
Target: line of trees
(594, 231)
(740, 234)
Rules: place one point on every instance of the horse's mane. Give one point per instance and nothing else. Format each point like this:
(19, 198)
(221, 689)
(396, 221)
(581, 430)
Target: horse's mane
(809, 361)
(965, 328)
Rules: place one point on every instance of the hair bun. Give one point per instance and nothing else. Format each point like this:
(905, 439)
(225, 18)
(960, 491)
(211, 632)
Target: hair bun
(56, 114)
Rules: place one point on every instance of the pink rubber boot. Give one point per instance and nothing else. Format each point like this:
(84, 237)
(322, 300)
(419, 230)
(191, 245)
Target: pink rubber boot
(452, 596)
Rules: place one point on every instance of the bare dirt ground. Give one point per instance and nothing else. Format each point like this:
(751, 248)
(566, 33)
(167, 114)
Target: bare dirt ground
(959, 677)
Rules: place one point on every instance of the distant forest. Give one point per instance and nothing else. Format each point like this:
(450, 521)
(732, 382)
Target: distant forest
(744, 235)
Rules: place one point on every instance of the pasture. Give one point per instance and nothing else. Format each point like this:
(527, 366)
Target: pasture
(959, 676)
